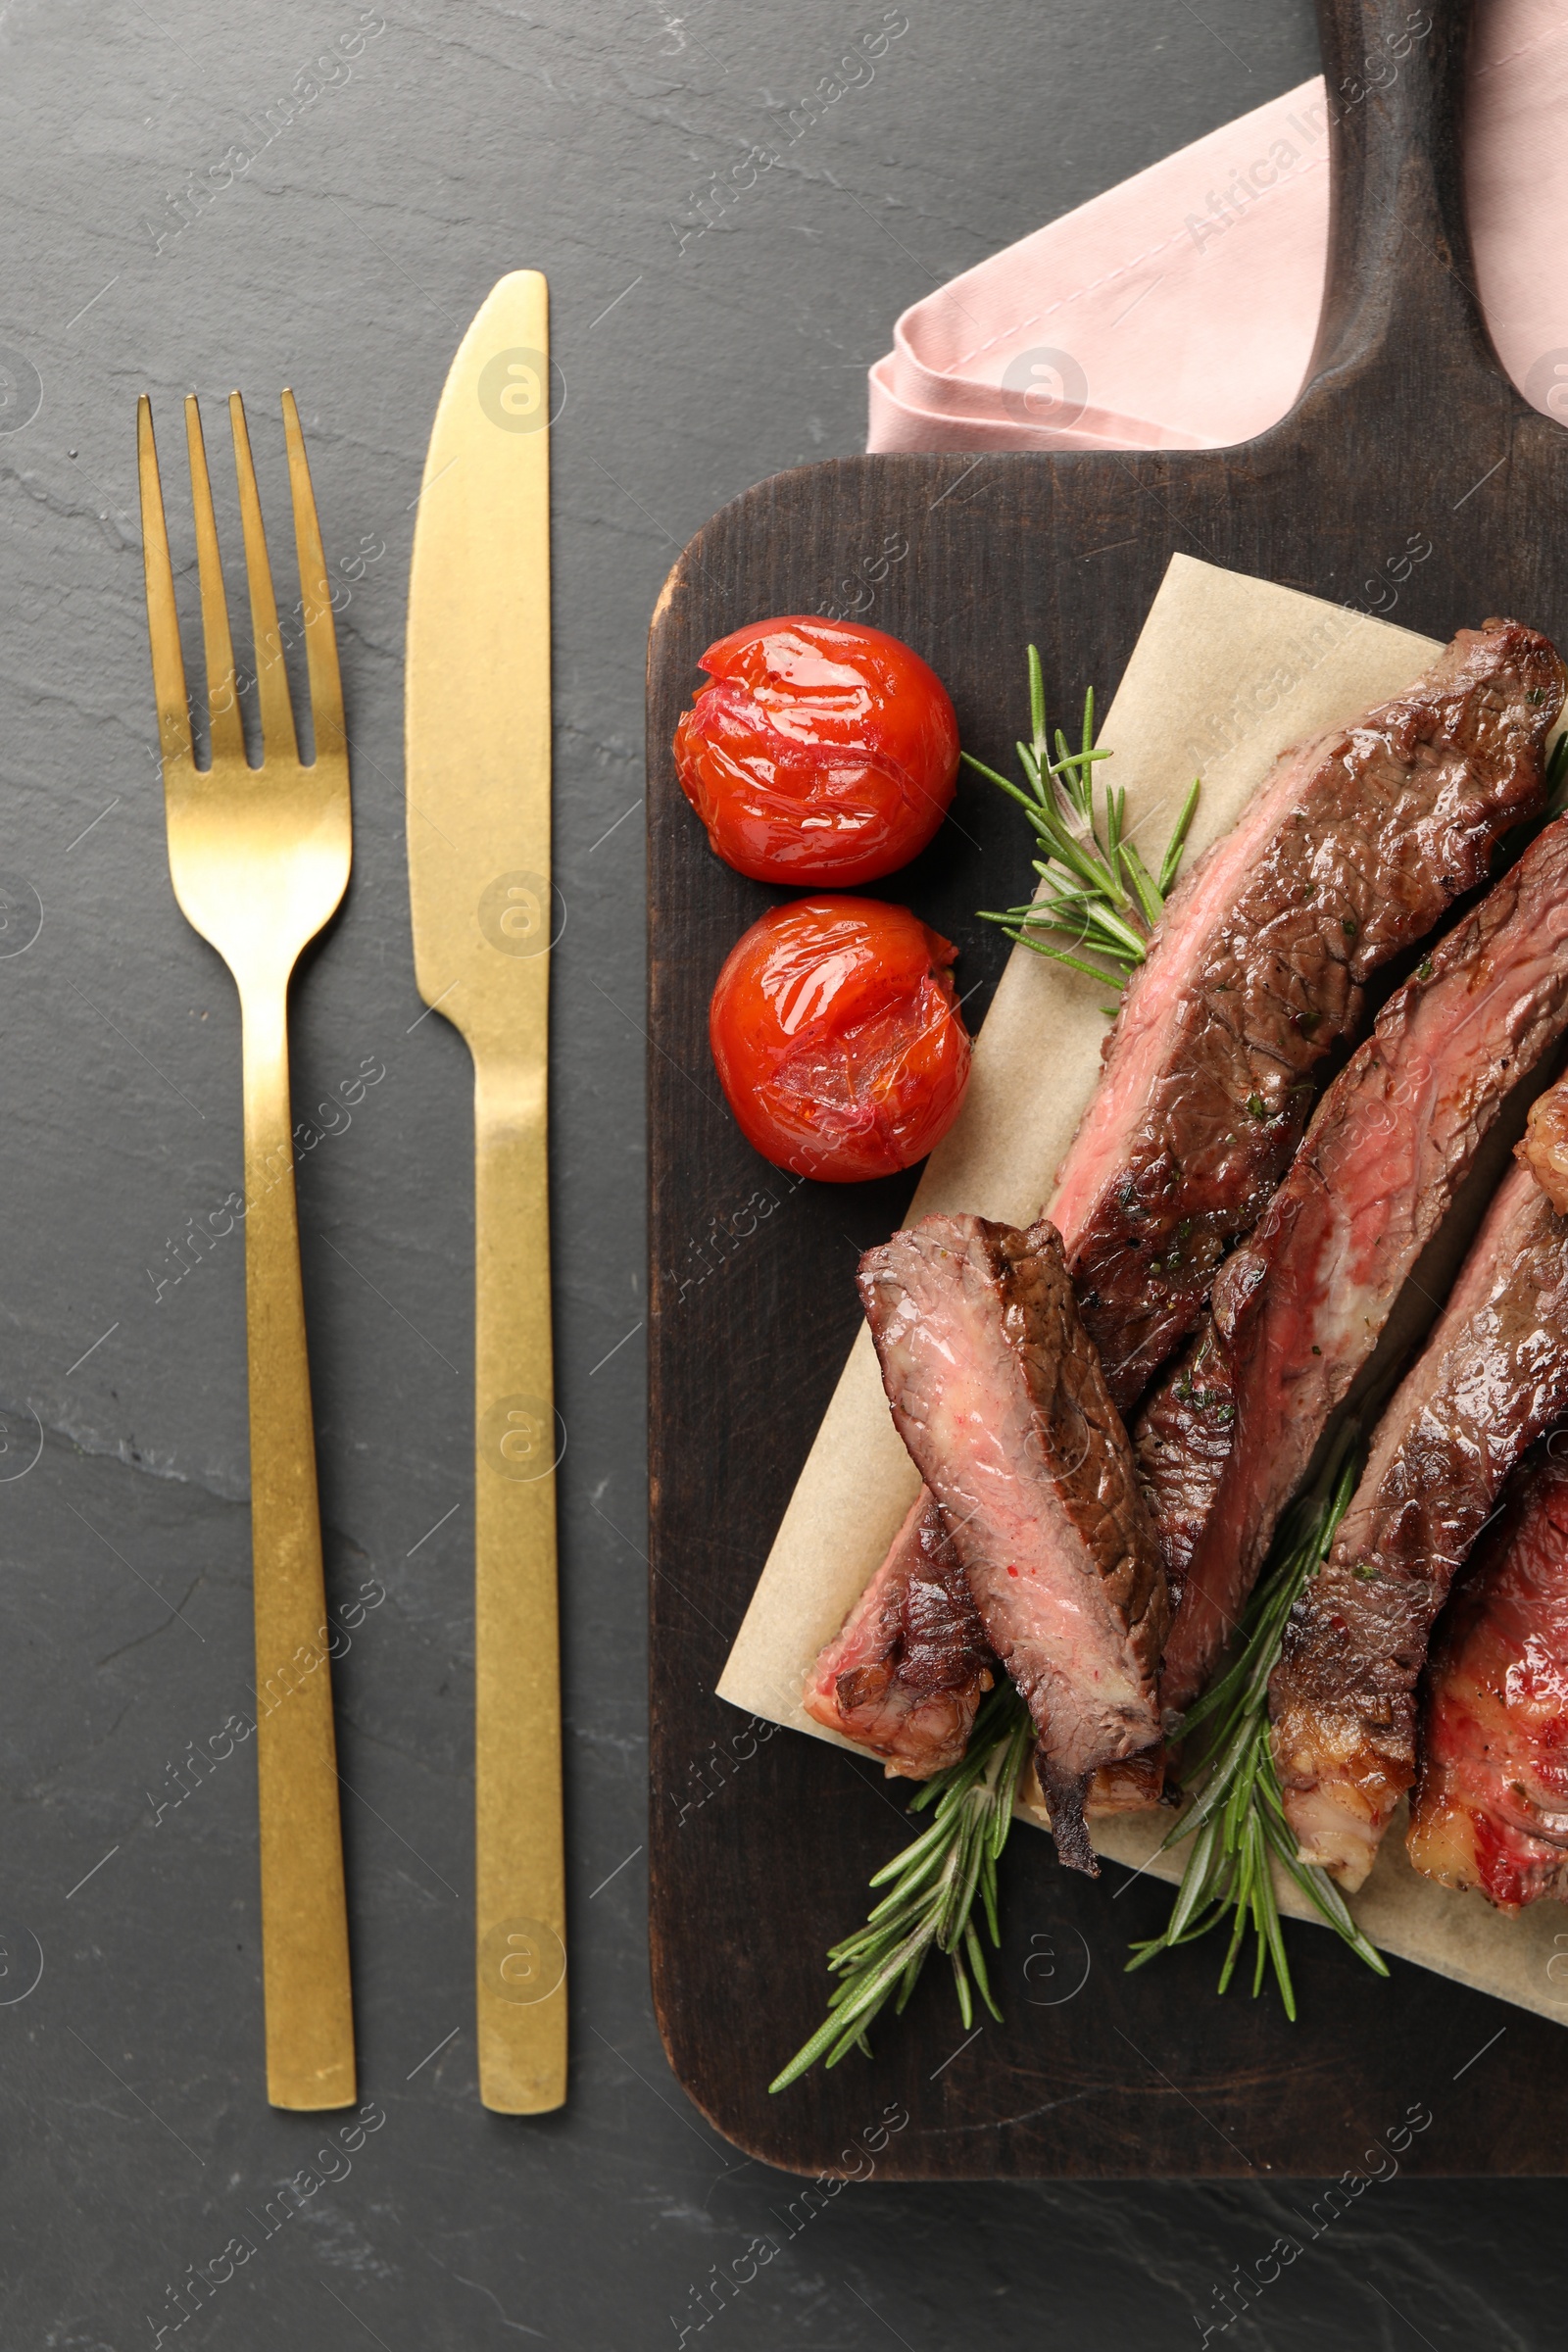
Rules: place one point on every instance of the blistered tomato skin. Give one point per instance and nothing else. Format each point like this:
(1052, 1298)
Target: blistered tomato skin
(822, 752)
(837, 1039)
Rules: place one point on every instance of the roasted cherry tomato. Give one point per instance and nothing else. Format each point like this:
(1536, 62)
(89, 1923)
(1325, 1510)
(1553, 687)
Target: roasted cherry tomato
(822, 753)
(837, 1038)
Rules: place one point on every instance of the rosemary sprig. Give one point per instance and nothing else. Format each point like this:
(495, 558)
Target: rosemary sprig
(1237, 1820)
(932, 1889)
(1098, 890)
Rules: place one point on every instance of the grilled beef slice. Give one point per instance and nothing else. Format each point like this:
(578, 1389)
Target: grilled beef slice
(907, 1673)
(899, 1725)
(1298, 1307)
(997, 1393)
(1351, 850)
(1490, 1808)
(1493, 1377)
(1357, 844)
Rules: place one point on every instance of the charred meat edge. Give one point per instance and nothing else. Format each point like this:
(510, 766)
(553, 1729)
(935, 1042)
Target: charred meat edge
(1490, 1808)
(907, 1673)
(997, 1393)
(1298, 1307)
(1493, 1377)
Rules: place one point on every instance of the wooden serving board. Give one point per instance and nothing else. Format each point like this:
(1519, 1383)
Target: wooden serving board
(761, 1845)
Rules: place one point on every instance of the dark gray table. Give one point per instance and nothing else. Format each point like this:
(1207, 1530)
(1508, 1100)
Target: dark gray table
(384, 193)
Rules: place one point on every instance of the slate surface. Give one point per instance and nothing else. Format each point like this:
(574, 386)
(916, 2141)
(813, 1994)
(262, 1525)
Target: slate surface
(385, 192)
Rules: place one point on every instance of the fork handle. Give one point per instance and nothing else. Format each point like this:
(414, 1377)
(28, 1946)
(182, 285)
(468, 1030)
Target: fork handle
(519, 1860)
(305, 1940)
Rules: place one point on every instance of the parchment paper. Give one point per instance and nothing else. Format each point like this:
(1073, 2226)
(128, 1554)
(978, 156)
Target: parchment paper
(1228, 672)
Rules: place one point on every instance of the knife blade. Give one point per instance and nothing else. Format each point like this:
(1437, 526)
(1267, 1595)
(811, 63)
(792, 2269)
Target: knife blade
(477, 741)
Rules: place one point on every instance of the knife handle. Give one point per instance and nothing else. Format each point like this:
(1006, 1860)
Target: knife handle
(521, 1920)
(305, 1936)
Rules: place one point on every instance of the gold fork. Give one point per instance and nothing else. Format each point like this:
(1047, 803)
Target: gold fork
(260, 860)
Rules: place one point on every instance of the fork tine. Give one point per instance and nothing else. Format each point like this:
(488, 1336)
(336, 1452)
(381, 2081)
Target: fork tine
(223, 699)
(271, 678)
(321, 633)
(163, 617)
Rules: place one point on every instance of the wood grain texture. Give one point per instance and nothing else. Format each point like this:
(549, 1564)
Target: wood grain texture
(760, 1848)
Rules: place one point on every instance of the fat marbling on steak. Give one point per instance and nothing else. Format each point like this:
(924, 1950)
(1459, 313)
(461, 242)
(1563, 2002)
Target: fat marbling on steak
(907, 1673)
(1493, 1377)
(1298, 1307)
(1254, 972)
(997, 1394)
(1491, 1807)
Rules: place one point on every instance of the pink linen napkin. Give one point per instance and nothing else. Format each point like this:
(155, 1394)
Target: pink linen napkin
(1178, 311)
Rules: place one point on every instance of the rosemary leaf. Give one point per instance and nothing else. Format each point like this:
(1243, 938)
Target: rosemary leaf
(1150, 897)
(1177, 842)
(1058, 955)
(1096, 888)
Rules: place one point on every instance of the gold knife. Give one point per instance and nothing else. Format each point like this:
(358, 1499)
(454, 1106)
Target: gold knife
(477, 720)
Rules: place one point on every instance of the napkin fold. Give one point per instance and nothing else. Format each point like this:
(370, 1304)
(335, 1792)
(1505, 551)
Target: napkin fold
(1178, 311)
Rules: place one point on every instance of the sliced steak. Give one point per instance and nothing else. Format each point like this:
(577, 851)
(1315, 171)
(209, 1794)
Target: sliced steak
(1354, 846)
(1350, 851)
(1491, 1378)
(1182, 1442)
(997, 1393)
(862, 1686)
(1490, 1808)
(1298, 1307)
(906, 1675)
(907, 1672)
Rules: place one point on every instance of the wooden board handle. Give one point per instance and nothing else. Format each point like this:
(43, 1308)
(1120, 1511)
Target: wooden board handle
(1400, 292)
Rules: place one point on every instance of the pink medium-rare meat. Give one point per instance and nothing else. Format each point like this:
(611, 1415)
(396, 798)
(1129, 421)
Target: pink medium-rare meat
(1491, 1378)
(1352, 850)
(905, 1676)
(997, 1394)
(1491, 1807)
(906, 1673)
(1298, 1307)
